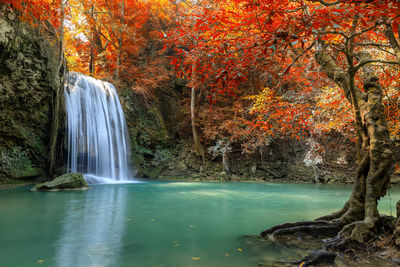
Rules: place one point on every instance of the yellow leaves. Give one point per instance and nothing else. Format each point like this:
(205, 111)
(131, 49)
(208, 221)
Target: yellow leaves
(334, 39)
(286, 115)
(338, 39)
(333, 111)
(40, 261)
(195, 258)
(240, 250)
(396, 169)
(226, 254)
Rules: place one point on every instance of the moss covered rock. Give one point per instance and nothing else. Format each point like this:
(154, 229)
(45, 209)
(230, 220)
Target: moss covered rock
(70, 181)
(28, 79)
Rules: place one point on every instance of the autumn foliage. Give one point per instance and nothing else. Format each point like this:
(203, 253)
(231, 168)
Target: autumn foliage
(251, 62)
(37, 12)
(229, 44)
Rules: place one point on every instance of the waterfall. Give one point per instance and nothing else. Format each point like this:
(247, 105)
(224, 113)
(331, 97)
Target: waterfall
(98, 140)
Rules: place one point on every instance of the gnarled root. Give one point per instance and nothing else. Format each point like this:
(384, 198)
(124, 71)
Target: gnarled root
(352, 235)
(315, 228)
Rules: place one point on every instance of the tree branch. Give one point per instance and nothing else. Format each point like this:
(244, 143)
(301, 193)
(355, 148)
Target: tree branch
(363, 63)
(392, 40)
(327, 3)
(297, 58)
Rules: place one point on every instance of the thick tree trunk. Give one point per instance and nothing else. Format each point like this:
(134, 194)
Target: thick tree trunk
(378, 156)
(356, 221)
(360, 214)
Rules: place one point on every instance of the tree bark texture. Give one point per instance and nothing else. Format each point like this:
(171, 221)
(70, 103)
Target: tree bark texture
(357, 220)
(57, 101)
(198, 146)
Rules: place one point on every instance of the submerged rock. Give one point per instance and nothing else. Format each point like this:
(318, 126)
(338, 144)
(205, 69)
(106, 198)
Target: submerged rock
(70, 181)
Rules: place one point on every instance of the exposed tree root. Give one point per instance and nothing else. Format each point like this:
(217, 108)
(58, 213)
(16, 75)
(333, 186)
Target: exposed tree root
(291, 225)
(358, 221)
(321, 229)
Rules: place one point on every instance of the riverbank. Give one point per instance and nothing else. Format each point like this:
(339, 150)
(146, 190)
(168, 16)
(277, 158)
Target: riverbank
(234, 180)
(13, 185)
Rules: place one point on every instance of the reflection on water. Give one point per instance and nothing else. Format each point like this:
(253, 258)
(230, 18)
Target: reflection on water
(92, 231)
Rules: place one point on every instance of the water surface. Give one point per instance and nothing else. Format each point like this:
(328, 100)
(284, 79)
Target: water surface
(155, 223)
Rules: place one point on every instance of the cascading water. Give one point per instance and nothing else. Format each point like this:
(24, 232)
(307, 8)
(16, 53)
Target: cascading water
(98, 140)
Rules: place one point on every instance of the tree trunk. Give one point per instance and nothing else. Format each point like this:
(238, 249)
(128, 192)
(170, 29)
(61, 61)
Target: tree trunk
(316, 174)
(356, 221)
(375, 158)
(91, 62)
(96, 46)
(117, 70)
(56, 101)
(225, 162)
(198, 146)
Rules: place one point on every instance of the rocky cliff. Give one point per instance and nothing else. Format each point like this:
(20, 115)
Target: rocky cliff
(160, 152)
(28, 79)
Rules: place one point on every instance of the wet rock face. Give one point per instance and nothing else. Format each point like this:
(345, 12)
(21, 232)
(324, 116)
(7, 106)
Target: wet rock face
(28, 64)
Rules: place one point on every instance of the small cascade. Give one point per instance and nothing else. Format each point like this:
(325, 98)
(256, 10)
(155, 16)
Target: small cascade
(98, 139)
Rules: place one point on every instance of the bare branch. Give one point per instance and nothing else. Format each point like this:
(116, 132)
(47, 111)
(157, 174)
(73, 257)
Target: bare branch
(392, 40)
(327, 3)
(373, 44)
(297, 58)
(365, 62)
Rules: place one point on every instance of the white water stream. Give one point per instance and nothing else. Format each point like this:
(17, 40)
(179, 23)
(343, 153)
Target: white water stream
(98, 140)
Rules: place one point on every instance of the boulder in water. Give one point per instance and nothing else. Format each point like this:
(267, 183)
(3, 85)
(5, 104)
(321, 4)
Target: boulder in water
(70, 181)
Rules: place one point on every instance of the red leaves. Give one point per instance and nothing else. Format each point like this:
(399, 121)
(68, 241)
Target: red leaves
(395, 26)
(37, 11)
